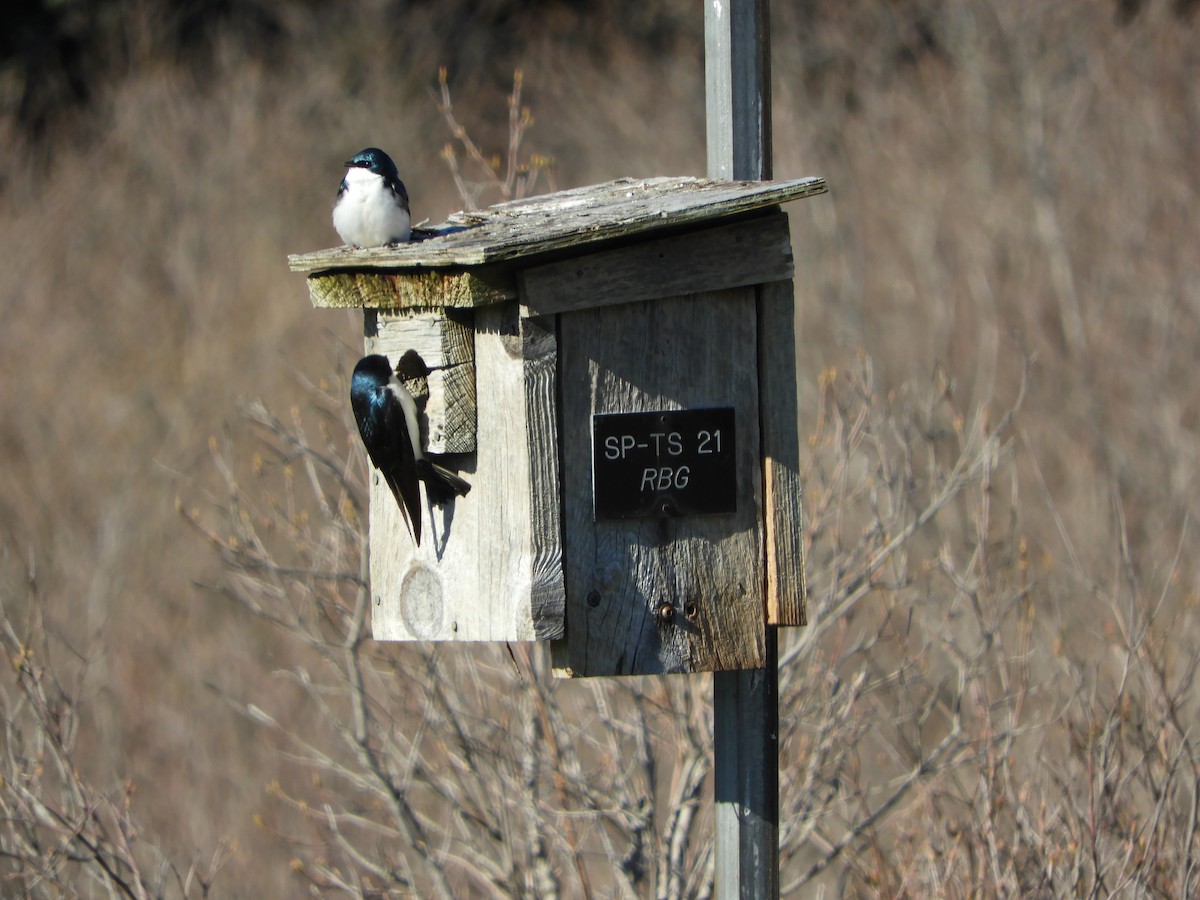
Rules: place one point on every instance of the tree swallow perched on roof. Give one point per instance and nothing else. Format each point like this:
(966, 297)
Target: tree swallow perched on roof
(387, 420)
(371, 208)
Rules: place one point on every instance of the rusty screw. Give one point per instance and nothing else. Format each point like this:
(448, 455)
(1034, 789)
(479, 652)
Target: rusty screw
(665, 612)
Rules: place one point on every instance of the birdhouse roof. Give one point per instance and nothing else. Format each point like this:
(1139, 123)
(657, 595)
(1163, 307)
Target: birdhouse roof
(558, 223)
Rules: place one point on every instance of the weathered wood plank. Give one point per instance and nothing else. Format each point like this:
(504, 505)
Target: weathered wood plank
(547, 593)
(782, 506)
(558, 221)
(746, 252)
(452, 395)
(518, 537)
(360, 289)
(706, 570)
(442, 340)
(487, 566)
(447, 347)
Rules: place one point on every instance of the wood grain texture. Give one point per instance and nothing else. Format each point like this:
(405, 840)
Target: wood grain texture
(489, 565)
(447, 347)
(365, 289)
(782, 506)
(554, 222)
(745, 252)
(676, 353)
(539, 349)
(443, 340)
(452, 398)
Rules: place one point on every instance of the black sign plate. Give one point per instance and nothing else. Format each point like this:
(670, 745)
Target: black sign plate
(679, 463)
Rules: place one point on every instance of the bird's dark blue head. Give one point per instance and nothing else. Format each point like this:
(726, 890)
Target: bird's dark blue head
(374, 160)
(371, 372)
(367, 396)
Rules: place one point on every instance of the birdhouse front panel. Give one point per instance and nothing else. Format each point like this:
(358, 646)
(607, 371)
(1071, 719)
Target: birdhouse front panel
(662, 486)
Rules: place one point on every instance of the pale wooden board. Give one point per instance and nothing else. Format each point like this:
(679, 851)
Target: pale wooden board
(733, 255)
(441, 340)
(675, 353)
(567, 219)
(489, 566)
(786, 592)
(539, 349)
(447, 346)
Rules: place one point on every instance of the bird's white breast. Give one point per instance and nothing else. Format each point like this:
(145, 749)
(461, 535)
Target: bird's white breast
(411, 419)
(367, 214)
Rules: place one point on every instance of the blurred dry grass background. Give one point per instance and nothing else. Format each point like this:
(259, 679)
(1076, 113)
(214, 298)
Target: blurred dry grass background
(1012, 201)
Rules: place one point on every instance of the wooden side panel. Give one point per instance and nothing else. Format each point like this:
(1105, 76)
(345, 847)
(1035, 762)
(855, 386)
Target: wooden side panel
(786, 591)
(539, 350)
(728, 256)
(489, 565)
(706, 571)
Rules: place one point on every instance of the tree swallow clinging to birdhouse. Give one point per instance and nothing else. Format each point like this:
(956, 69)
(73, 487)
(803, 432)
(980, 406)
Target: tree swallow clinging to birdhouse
(371, 208)
(387, 420)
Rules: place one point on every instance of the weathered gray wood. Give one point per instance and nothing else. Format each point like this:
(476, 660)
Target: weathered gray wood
(676, 353)
(547, 593)
(735, 255)
(489, 567)
(781, 454)
(441, 340)
(453, 396)
(447, 347)
(555, 222)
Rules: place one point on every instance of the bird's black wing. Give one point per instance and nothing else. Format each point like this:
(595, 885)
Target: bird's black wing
(398, 190)
(400, 470)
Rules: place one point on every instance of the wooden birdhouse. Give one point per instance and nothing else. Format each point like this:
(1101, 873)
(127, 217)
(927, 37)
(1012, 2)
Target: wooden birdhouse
(612, 368)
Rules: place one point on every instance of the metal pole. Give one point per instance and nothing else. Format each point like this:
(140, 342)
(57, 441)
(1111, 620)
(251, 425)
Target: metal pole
(737, 76)
(746, 760)
(737, 66)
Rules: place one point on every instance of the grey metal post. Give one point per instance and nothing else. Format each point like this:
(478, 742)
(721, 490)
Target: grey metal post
(737, 80)
(737, 65)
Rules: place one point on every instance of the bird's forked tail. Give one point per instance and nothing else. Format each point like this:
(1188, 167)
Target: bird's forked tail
(441, 484)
